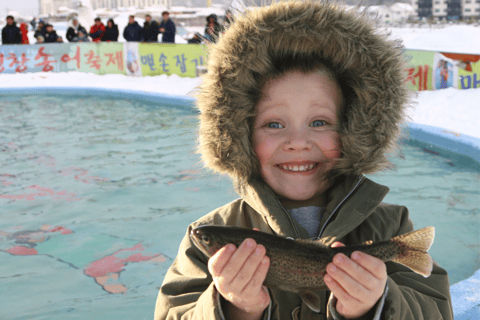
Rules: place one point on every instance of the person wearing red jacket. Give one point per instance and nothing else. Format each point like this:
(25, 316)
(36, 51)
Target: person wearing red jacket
(97, 30)
(24, 31)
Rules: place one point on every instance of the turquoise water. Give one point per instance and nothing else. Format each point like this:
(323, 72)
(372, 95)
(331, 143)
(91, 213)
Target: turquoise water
(96, 195)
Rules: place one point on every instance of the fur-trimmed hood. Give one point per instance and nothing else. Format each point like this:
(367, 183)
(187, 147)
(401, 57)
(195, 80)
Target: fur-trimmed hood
(370, 64)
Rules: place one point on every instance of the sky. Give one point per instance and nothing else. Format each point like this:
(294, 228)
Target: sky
(24, 7)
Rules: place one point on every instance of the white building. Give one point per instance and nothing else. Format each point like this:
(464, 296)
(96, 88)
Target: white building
(439, 8)
(396, 12)
(401, 11)
(114, 4)
(50, 7)
(471, 8)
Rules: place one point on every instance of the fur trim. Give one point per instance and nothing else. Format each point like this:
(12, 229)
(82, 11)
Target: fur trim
(371, 65)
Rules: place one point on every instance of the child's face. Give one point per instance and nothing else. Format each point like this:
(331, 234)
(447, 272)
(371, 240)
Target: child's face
(293, 134)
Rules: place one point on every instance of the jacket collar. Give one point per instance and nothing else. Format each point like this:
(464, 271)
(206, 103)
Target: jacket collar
(350, 201)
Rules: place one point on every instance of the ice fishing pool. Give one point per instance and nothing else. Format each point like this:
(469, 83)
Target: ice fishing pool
(96, 193)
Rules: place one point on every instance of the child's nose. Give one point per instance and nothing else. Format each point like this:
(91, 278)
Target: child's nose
(298, 140)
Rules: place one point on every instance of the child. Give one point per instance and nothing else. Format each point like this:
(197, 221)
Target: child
(300, 100)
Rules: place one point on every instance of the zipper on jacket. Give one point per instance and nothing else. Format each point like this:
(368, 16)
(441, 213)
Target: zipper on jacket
(338, 206)
(290, 219)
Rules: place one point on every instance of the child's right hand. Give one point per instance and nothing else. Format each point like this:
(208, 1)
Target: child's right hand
(238, 275)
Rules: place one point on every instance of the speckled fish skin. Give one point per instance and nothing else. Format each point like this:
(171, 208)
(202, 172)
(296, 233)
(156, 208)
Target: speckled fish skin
(299, 265)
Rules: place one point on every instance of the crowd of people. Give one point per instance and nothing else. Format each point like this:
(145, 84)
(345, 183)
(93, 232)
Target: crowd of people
(45, 33)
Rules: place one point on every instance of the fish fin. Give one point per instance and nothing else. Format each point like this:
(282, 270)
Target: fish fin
(419, 262)
(311, 299)
(415, 256)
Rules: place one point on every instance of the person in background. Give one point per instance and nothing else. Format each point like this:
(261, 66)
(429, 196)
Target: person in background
(111, 32)
(150, 29)
(41, 29)
(33, 23)
(167, 27)
(213, 28)
(81, 37)
(97, 30)
(11, 33)
(40, 39)
(51, 35)
(228, 19)
(24, 31)
(197, 39)
(74, 29)
(133, 31)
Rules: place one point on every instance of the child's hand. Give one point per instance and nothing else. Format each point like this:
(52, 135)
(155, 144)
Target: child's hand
(238, 275)
(357, 283)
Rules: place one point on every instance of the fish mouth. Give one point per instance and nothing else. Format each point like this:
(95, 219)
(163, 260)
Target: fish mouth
(195, 235)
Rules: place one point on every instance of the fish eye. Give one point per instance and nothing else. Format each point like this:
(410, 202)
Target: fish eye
(206, 239)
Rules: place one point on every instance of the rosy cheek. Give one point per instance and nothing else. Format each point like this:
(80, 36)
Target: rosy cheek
(333, 154)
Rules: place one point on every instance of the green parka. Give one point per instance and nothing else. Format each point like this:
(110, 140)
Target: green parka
(371, 68)
(354, 214)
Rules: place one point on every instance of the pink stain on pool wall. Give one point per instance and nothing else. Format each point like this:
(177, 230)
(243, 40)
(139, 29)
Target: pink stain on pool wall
(112, 264)
(44, 191)
(22, 251)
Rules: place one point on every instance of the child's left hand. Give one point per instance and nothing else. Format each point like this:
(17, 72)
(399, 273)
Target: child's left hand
(357, 283)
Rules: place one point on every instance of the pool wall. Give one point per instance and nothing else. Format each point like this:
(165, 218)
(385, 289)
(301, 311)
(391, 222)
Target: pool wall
(435, 136)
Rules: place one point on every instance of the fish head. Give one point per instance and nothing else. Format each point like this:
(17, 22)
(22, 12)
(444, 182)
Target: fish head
(207, 240)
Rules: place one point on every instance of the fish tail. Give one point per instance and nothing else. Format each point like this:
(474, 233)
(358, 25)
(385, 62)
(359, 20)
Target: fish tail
(414, 250)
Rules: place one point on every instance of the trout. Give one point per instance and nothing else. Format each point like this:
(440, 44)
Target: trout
(299, 265)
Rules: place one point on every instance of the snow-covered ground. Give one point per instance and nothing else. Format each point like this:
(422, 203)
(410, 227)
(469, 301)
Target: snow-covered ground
(452, 109)
(454, 38)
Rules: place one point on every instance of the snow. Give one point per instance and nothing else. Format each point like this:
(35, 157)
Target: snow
(466, 298)
(455, 38)
(452, 109)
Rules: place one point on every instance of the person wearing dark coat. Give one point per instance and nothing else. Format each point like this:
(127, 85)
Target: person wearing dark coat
(33, 23)
(11, 34)
(133, 31)
(41, 30)
(228, 19)
(213, 28)
(51, 35)
(150, 29)
(197, 39)
(111, 32)
(167, 27)
(74, 29)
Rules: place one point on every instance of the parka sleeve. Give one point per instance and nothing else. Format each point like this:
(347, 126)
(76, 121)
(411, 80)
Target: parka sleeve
(188, 291)
(410, 295)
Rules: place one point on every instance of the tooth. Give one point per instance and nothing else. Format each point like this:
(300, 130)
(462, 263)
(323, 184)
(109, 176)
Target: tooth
(301, 168)
(310, 167)
(295, 168)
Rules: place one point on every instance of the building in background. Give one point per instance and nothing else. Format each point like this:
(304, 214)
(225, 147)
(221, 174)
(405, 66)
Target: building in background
(51, 7)
(114, 4)
(447, 9)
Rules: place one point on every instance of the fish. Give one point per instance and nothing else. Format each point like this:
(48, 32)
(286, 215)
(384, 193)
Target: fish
(300, 265)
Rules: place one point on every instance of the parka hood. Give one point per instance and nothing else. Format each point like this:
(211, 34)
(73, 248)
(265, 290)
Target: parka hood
(369, 64)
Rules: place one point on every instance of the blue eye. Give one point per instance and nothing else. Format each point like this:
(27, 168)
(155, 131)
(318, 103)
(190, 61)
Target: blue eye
(274, 125)
(318, 123)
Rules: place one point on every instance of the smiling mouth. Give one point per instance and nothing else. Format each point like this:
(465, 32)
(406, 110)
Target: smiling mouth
(299, 168)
